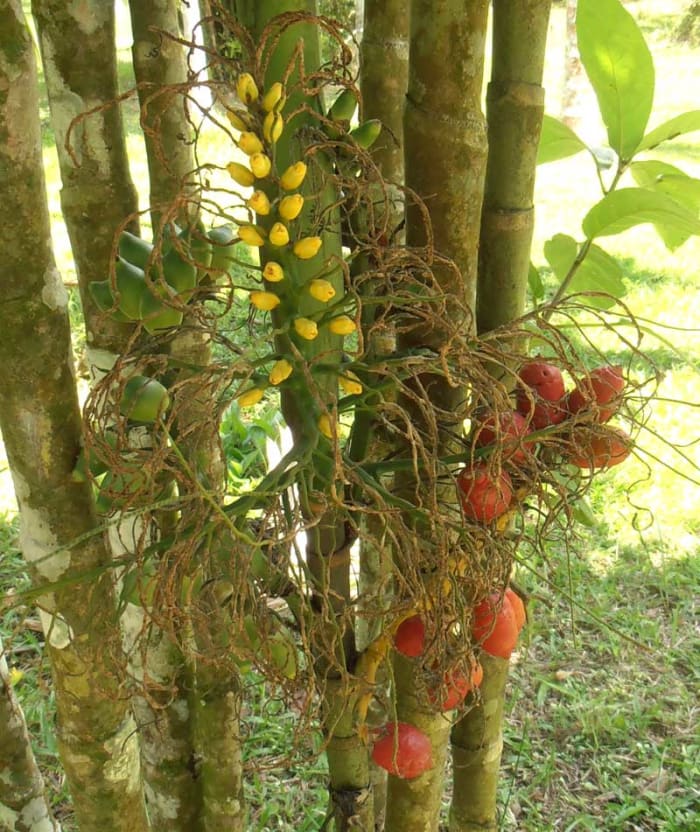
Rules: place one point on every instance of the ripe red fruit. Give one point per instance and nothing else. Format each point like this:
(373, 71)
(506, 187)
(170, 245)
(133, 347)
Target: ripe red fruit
(606, 386)
(484, 498)
(516, 603)
(601, 451)
(496, 629)
(409, 637)
(456, 686)
(506, 429)
(403, 750)
(539, 397)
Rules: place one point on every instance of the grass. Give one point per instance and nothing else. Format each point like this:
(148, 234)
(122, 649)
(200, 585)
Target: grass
(602, 702)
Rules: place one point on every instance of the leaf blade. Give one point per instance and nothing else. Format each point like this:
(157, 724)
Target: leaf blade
(627, 207)
(677, 126)
(557, 141)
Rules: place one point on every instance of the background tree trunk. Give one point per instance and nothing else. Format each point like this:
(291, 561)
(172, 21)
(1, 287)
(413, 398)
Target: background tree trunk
(23, 803)
(40, 422)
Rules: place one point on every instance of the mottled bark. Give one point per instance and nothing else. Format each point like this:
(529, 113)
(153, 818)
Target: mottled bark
(24, 806)
(477, 742)
(40, 422)
(97, 194)
(159, 67)
(514, 107)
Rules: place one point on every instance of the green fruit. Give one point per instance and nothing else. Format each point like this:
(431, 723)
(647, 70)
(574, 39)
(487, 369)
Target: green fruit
(134, 250)
(117, 490)
(367, 133)
(144, 399)
(92, 463)
(131, 285)
(344, 106)
(156, 315)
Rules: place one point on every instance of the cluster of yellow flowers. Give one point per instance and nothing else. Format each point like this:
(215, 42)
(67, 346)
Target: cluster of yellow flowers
(260, 126)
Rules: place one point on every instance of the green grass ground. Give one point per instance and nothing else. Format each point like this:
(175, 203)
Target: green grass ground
(603, 714)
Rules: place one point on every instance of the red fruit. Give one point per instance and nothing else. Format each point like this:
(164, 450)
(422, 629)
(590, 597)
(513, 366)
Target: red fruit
(483, 497)
(457, 685)
(496, 629)
(544, 379)
(539, 398)
(409, 637)
(403, 750)
(606, 386)
(518, 608)
(512, 427)
(601, 451)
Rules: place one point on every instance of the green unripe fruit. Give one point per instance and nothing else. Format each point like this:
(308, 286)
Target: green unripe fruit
(367, 133)
(144, 399)
(344, 106)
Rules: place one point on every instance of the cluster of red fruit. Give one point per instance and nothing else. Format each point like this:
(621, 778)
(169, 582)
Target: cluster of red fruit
(542, 402)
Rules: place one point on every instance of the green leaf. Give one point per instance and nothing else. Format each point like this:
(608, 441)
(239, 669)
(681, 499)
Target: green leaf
(534, 281)
(557, 141)
(677, 126)
(623, 209)
(599, 272)
(620, 68)
(582, 512)
(670, 180)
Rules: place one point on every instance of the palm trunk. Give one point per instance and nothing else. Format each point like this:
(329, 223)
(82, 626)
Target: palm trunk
(24, 806)
(445, 155)
(40, 422)
(97, 194)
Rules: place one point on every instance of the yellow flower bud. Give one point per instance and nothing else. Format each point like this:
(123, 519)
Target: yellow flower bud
(259, 203)
(307, 247)
(290, 206)
(253, 235)
(321, 290)
(273, 124)
(240, 173)
(350, 384)
(281, 370)
(246, 88)
(293, 176)
(249, 143)
(250, 397)
(265, 301)
(324, 426)
(274, 98)
(260, 164)
(279, 235)
(273, 272)
(238, 119)
(306, 328)
(342, 325)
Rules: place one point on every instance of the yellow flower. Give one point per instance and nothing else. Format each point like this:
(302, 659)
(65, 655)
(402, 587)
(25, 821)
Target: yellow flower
(250, 397)
(273, 272)
(293, 176)
(237, 119)
(249, 143)
(350, 384)
(324, 426)
(281, 370)
(252, 234)
(321, 290)
(307, 247)
(274, 98)
(259, 203)
(279, 235)
(290, 206)
(260, 164)
(264, 301)
(342, 325)
(240, 173)
(246, 88)
(306, 328)
(16, 676)
(273, 124)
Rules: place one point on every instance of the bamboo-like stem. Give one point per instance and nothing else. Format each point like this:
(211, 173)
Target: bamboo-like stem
(24, 806)
(515, 106)
(97, 194)
(40, 423)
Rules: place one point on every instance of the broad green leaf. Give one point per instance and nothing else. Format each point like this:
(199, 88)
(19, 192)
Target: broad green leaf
(557, 141)
(620, 68)
(670, 180)
(677, 126)
(599, 272)
(534, 281)
(623, 209)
